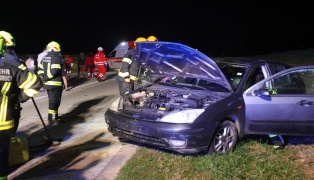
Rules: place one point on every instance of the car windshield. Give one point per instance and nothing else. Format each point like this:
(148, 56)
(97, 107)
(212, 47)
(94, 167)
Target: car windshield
(233, 73)
(192, 83)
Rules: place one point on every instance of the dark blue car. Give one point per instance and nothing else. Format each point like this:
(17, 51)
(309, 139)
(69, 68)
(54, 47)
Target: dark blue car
(188, 103)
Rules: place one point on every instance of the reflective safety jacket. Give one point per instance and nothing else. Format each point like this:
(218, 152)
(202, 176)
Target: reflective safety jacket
(129, 66)
(14, 82)
(50, 70)
(100, 59)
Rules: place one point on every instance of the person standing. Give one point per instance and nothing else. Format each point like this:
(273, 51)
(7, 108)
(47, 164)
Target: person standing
(12, 80)
(101, 63)
(128, 71)
(51, 70)
(68, 65)
(90, 65)
(80, 64)
(41, 55)
(39, 58)
(11, 58)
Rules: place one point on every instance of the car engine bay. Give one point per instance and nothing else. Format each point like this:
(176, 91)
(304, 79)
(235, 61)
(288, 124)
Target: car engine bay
(163, 98)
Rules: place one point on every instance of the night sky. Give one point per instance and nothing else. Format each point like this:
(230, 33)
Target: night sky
(216, 29)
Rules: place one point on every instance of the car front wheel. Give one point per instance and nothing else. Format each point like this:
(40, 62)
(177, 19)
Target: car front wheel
(224, 139)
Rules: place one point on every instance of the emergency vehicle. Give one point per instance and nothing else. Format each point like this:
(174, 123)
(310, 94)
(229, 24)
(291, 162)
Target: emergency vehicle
(115, 57)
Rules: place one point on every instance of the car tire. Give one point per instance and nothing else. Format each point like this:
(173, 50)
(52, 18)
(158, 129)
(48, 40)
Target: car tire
(224, 139)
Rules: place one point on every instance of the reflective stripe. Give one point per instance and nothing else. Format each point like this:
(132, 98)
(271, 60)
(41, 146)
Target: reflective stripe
(4, 102)
(57, 66)
(21, 66)
(134, 78)
(128, 60)
(7, 124)
(31, 79)
(53, 83)
(30, 92)
(48, 71)
(123, 74)
(50, 111)
(41, 66)
(40, 72)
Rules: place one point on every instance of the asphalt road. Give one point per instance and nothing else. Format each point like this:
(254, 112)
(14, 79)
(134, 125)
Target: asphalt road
(86, 150)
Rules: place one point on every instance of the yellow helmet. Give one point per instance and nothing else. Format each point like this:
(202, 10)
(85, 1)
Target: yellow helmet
(53, 46)
(9, 40)
(139, 39)
(152, 38)
(2, 46)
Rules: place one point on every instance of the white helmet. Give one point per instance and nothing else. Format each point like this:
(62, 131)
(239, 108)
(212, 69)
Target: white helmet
(100, 49)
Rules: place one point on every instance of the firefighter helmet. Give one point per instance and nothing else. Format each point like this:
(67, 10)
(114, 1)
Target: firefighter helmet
(100, 49)
(53, 46)
(9, 40)
(152, 38)
(139, 39)
(2, 46)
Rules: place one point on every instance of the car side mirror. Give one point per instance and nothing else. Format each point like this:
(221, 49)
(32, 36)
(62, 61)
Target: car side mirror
(261, 92)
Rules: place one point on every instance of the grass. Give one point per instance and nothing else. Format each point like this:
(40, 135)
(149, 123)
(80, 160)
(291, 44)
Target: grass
(252, 159)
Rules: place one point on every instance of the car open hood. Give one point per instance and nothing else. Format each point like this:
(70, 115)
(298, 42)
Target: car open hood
(167, 58)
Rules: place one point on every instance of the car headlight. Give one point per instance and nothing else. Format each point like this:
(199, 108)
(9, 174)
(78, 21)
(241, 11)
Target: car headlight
(184, 116)
(114, 105)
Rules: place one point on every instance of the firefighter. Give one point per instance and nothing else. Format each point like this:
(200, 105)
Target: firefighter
(276, 139)
(68, 65)
(11, 58)
(128, 72)
(50, 70)
(13, 82)
(101, 64)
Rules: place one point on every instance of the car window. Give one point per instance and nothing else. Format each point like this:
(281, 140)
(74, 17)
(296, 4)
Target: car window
(275, 68)
(112, 54)
(193, 83)
(233, 73)
(295, 82)
(256, 75)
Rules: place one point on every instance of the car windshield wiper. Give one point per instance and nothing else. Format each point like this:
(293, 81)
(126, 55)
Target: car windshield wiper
(191, 85)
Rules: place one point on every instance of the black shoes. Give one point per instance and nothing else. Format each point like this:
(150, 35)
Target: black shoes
(56, 121)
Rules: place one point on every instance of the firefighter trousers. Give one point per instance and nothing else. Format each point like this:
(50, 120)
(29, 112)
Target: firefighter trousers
(5, 137)
(54, 96)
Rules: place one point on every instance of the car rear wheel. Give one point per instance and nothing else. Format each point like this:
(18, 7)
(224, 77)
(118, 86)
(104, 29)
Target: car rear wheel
(224, 139)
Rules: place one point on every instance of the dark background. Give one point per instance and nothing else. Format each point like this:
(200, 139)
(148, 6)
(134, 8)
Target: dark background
(216, 29)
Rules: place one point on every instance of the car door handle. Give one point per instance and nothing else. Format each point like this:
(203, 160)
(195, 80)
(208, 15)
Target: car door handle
(305, 103)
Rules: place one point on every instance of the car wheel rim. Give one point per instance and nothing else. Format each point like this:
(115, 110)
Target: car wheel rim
(224, 140)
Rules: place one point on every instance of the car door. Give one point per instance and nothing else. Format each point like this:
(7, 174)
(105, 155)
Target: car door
(282, 103)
